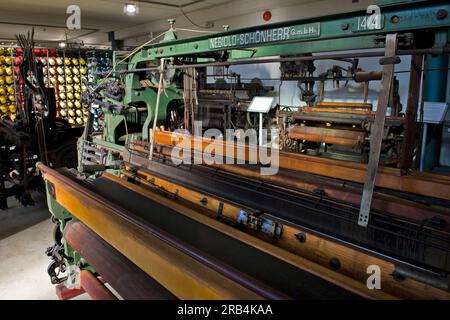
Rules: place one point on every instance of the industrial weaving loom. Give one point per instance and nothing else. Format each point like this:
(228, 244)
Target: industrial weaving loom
(345, 198)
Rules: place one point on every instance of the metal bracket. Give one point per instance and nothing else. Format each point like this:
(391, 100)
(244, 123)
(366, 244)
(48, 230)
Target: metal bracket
(219, 210)
(390, 60)
(377, 130)
(51, 189)
(441, 281)
(56, 252)
(264, 225)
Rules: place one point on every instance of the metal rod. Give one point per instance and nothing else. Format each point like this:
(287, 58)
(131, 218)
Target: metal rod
(423, 147)
(261, 129)
(286, 59)
(376, 138)
(158, 98)
(93, 286)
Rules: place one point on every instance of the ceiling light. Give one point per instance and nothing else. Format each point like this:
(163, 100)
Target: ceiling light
(131, 8)
(62, 44)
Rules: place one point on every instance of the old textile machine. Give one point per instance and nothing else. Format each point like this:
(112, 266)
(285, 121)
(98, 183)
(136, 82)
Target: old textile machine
(345, 216)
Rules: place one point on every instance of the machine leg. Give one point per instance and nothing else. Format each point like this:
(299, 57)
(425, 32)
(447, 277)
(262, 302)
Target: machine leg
(3, 195)
(65, 293)
(261, 143)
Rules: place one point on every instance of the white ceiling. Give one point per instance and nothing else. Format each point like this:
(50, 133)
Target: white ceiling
(98, 17)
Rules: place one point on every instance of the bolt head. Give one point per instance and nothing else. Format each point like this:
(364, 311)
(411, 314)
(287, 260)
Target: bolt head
(441, 14)
(301, 237)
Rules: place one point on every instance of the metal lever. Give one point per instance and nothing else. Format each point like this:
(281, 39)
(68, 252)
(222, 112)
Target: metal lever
(378, 128)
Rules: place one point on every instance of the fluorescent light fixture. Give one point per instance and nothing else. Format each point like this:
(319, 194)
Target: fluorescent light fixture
(62, 44)
(131, 8)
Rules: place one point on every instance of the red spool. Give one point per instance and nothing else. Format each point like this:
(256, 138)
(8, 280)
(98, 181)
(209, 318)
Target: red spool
(18, 60)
